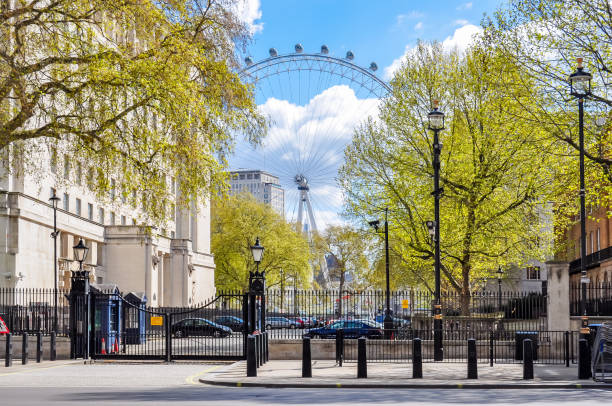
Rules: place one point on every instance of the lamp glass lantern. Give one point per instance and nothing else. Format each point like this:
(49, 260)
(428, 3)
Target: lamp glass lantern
(580, 82)
(54, 200)
(80, 251)
(431, 227)
(500, 273)
(257, 250)
(436, 118)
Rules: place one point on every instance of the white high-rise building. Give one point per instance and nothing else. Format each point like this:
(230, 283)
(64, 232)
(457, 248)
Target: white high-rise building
(173, 266)
(263, 185)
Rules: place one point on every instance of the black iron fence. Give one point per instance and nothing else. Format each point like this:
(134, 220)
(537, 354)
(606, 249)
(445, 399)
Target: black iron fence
(550, 347)
(33, 310)
(289, 312)
(598, 299)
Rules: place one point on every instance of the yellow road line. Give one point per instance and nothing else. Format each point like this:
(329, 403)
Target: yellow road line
(35, 369)
(192, 379)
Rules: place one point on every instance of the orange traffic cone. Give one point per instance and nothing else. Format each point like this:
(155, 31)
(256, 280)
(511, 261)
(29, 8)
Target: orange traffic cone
(103, 347)
(116, 347)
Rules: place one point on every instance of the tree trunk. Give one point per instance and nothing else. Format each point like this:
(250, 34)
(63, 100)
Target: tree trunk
(465, 289)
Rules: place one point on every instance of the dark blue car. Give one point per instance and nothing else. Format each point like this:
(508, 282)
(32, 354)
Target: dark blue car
(352, 329)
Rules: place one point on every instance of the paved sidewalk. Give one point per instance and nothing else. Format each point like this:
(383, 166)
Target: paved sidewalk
(287, 374)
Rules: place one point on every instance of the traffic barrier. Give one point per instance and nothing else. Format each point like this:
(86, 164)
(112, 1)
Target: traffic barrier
(362, 363)
(472, 364)
(306, 358)
(251, 356)
(417, 359)
(116, 346)
(584, 361)
(53, 349)
(39, 347)
(24, 349)
(339, 346)
(527, 359)
(8, 355)
(103, 352)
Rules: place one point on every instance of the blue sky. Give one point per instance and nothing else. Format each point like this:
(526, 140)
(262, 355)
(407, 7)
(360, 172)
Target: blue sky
(376, 31)
(309, 132)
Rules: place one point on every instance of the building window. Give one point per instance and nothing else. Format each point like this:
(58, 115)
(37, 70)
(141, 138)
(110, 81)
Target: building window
(66, 167)
(112, 191)
(592, 241)
(78, 207)
(53, 160)
(101, 215)
(66, 202)
(256, 176)
(598, 244)
(123, 220)
(79, 173)
(90, 211)
(533, 273)
(112, 218)
(242, 176)
(171, 234)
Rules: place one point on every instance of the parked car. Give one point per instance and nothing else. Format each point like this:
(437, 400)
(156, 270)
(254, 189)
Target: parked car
(199, 327)
(299, 320)
(352, 329)
(233, 322)
(280, 322)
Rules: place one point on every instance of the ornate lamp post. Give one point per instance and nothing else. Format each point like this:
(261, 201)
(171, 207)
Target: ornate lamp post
(257, 287)
(436, 124)
(580, 88)
(80, 253)
(388, 320)
(54, 202)
(500, 273)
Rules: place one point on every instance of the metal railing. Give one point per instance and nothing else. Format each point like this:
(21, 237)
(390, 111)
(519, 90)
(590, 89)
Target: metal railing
(599, 299)
(33, 310)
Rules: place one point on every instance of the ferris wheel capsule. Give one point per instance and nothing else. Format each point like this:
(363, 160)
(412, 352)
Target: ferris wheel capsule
(299, 48)
(324, 49)
(373, 67)
(273, 53)
(350, 55)
(248, 61)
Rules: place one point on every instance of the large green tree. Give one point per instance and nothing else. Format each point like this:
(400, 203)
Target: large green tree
(545, 38)
(236, 222)
(495, 174)
(137, 90)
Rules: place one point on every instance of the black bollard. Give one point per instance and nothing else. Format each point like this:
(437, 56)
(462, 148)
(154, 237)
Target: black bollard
(306, 358)
(339, 346)
(8, 355)
(251, 356)
(53, 350)
(417, 359)
(566, 348)
(584, 361)
(362, 362)
(24, 349)
(266, 347)
(472, 359)
(258, 349)
(527, 359)
(39, 347)
(491, 344)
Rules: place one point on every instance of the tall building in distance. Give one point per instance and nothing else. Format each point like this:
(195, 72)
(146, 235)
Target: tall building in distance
(263, 185)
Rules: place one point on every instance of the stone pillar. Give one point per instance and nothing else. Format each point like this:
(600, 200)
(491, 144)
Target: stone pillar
(558, 311)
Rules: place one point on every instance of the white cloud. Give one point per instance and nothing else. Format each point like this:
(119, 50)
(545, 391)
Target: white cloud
(460, 40)
(465, 6)
(419, 26)
(401, 18)
(249, 11)
(460, 22)
(462, 37)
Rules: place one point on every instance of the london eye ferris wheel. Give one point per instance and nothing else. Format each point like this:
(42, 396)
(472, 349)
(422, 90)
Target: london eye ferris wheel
(313, 102)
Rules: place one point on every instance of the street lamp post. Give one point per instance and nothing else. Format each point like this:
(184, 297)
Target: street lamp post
(257, 287)
(580, 88)
(500, 273)
(54, 201)
(80, 253)
(436, 124)
(388, 320)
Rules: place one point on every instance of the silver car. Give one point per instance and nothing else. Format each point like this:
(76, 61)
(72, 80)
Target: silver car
(280, 322)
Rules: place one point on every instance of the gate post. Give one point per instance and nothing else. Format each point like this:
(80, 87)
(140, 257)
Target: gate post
(168, 320)
(79, 315)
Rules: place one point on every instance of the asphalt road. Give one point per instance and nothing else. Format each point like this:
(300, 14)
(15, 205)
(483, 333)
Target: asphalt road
(177, 384)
